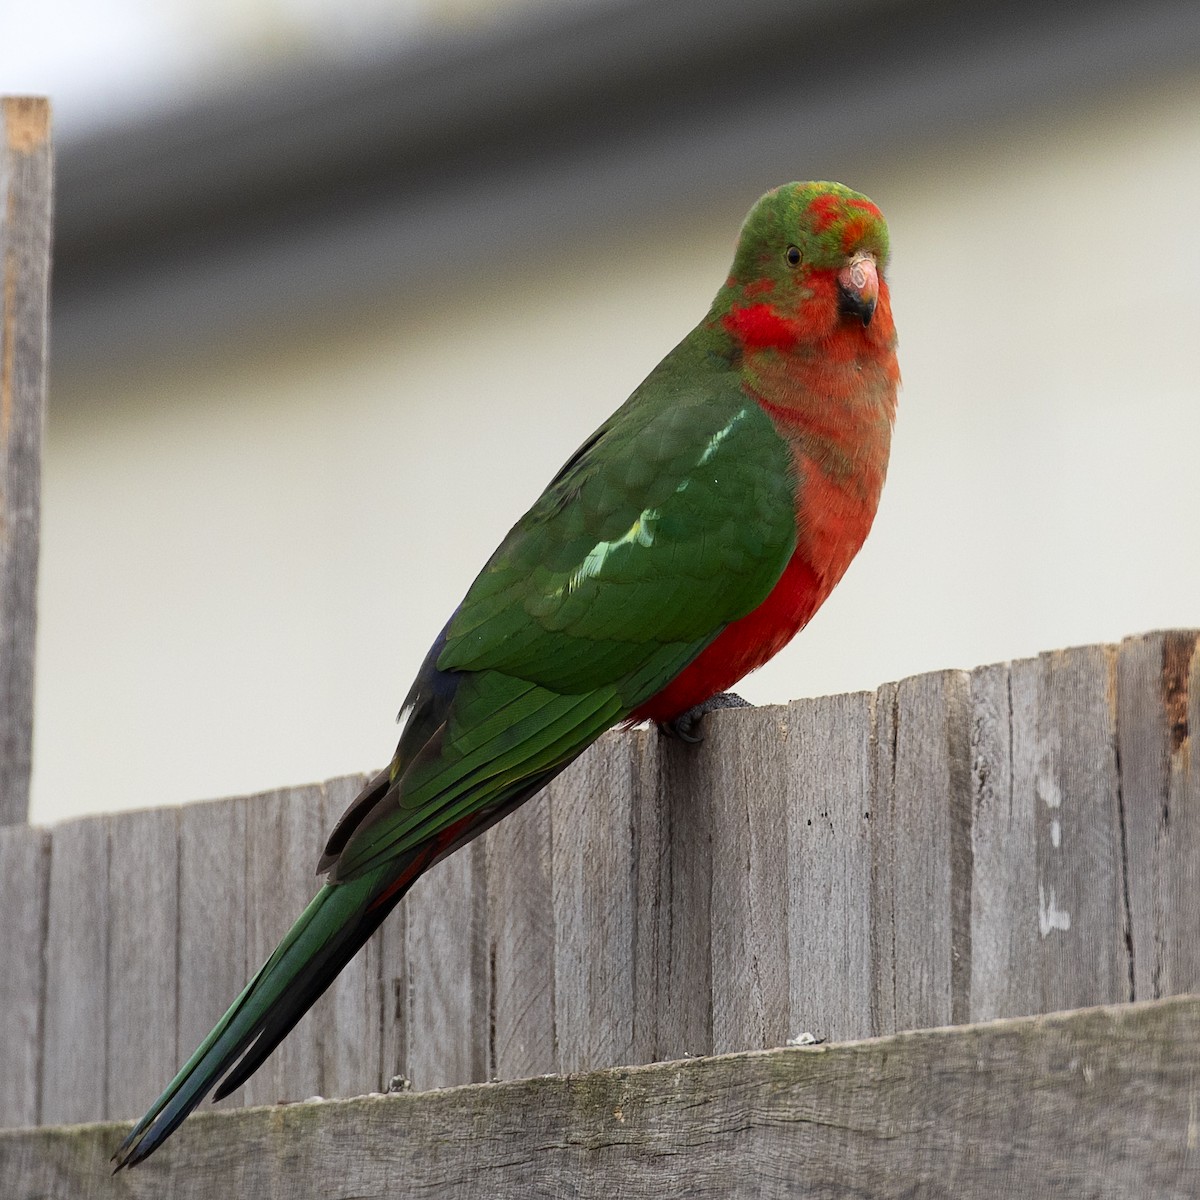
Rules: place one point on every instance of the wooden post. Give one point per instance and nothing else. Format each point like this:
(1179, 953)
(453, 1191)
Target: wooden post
(25, 182)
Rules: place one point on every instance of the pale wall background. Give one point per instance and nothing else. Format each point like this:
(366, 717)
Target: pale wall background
(245, 559)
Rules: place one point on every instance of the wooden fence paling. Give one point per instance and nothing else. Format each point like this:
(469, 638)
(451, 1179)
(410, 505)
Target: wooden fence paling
(1158, 716)
(350, 1031)
(751, 812)
(593, 886)
(25, 199)
(938, 1113)
(442, 965)
(521, 943)
(832, 818)
(1004, 857)
(1064, 742)
(212, 921)
(923, 797)
(143, 944)
(283, 835)
(953, 847)
(673, 918)
(24, 870)
(76, 983)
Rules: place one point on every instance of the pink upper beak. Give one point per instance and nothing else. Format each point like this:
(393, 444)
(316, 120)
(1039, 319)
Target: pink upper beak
(858, 285)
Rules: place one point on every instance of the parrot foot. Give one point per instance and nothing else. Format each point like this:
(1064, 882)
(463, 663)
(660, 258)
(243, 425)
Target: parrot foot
(684, 726)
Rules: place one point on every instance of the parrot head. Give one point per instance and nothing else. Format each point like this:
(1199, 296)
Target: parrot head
(810, 259)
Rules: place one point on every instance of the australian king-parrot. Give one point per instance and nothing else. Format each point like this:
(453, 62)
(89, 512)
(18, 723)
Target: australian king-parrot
(681, 546)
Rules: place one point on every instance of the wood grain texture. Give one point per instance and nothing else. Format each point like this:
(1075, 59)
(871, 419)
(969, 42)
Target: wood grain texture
(673, 964)
(285, 833)
(1065, 767)
(392, 941)
(75, 1029)
(26, 171)
(213, 967)
(25, 874)
(922, 861)
(444, 977)
(1158, 708)
(520, 930)
(831, 821)
(747, 752)
(349, 1017)
(143, 964)
(594, 896)
(1004, 933)
(1098, 1103)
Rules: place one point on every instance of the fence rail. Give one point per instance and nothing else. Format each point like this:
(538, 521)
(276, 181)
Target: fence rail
(1099, 1103)
(955, 847)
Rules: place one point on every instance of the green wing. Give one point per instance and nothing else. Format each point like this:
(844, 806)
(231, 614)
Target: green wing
(674, 519)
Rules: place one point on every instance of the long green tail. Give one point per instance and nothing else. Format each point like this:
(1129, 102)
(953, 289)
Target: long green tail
(327, 934)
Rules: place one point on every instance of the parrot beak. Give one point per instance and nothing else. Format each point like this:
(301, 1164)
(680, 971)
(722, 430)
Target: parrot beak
(858, 286)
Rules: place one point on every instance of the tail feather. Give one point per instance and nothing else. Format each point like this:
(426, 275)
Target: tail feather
(325, 936)
(318, 978)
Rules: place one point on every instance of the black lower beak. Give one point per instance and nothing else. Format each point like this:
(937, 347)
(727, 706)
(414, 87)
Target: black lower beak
(855, 304)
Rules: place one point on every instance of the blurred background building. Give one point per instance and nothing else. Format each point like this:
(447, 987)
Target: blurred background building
(339, 285)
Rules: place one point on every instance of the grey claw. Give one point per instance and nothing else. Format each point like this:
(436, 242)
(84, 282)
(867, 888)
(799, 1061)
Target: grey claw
(684, 726)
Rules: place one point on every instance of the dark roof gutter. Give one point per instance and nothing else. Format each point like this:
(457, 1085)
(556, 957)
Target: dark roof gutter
(327, 184)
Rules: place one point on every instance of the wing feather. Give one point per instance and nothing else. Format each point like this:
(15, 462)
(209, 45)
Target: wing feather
(666, 525)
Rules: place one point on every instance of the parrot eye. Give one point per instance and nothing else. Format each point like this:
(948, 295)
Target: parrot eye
(792, 254)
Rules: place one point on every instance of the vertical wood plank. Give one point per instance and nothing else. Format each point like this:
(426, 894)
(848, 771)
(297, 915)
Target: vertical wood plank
(1158, 707)
(143, 895)
(521, 940)
(748, 756)
(1004, 842)
(673, 956)
(285, 831)
(885, 712)
(828, 872)
(24, 874)
(650, 828)
(924, 782)
(1064, 763)
(213, 967)
(443, 994)
(349, 1017)
(392, 938)
(592, 878)
(74, 1057)
(25, 203)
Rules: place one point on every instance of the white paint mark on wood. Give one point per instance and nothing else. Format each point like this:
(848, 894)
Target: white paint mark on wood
(1048, 791)
(1050, 916)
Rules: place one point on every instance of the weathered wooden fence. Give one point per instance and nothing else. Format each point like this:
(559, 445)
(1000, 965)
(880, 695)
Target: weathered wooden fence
(952, 848)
